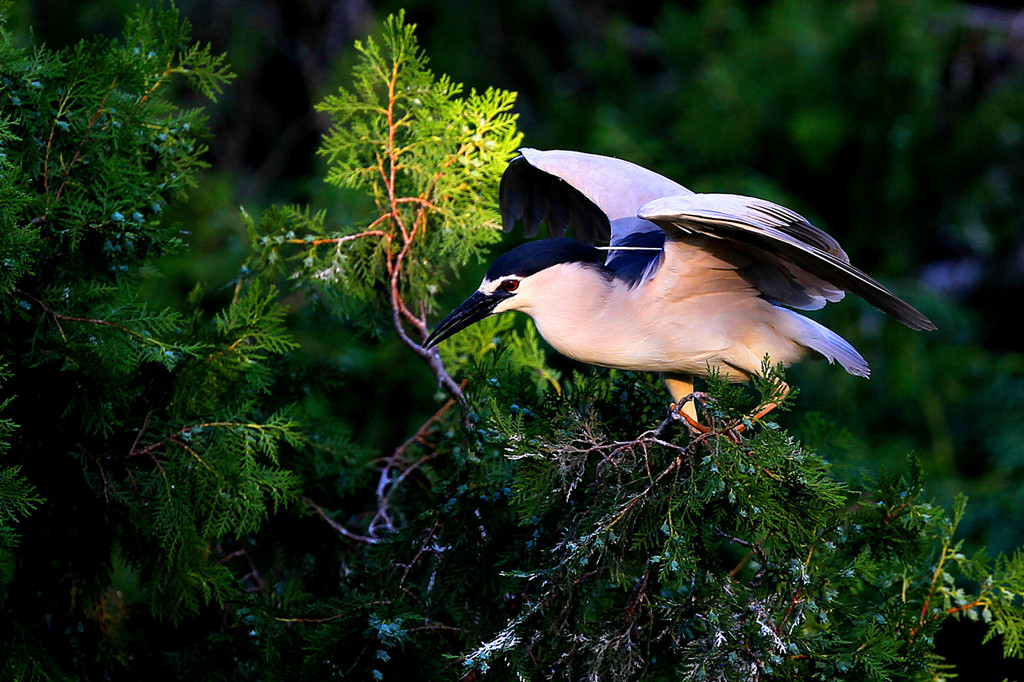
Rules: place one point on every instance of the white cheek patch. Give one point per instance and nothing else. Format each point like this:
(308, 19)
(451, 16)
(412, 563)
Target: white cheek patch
(505, 300)
(488, 287)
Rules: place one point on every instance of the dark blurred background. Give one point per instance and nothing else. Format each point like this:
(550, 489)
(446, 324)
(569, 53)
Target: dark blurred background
(896, 125)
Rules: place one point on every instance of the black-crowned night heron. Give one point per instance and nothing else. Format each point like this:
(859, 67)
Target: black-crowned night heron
(689, 284)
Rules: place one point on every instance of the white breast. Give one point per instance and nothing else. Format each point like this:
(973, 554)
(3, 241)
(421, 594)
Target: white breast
(686, 319)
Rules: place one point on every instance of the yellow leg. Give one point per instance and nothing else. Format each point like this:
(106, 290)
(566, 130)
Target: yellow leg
(680, 386)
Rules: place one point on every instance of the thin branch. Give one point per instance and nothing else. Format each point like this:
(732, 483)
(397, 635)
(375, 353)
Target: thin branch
(138, 436)
(386, 485)
(436, 627)
(344, 532)
(57, 317)
(258, 582)
(341, 240)
(420, 552)
(752, 546)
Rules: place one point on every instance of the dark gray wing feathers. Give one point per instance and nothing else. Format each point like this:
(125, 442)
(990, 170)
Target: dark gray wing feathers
(755, 223)
(606, 199)
(532, 196)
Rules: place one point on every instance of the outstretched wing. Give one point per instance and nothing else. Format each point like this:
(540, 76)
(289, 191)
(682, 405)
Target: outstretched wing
(793, 262)
(532, 196)
(597, 197)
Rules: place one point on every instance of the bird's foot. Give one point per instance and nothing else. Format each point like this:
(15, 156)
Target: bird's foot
(736, 430)
(782, 389)
(686, 412)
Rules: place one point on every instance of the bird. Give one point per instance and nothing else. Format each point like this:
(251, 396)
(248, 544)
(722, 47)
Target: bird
(689, 284)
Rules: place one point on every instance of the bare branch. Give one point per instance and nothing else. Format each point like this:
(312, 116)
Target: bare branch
(344, 532)
(386, 485)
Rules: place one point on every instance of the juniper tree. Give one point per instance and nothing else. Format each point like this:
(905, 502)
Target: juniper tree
(538, 524)
(561, 527)
(144, 428)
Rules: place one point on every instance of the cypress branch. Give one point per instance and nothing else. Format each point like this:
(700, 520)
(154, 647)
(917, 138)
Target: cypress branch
(539, 523)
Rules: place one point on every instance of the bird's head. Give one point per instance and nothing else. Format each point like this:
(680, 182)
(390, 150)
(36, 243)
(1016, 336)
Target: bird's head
(515, 281)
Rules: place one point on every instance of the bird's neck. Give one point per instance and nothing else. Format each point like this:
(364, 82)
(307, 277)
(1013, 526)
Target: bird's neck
(572, 310)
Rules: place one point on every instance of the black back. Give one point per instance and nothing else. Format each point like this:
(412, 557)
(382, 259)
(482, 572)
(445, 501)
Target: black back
(633, 267)
(532, 257)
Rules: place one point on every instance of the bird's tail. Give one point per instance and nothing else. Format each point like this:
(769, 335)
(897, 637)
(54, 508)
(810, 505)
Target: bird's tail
(834, 347)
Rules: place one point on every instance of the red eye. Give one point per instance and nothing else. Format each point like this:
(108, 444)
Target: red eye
(510, 284)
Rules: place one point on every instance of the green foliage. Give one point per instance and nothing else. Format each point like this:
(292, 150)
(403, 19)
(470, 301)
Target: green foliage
(148, 431)
(428, 156)
(17, 496)
(17, 500)
(670, 557)
(186, 483)
(17, 245)
(98, 151)
(219, 479)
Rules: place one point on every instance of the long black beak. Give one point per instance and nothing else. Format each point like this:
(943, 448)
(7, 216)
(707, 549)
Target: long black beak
(473, 309)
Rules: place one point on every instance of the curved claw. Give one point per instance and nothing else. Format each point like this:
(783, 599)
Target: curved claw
(765, 409)
(678, 412)
(685, 411)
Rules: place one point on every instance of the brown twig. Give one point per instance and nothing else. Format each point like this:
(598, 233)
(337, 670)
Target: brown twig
(387, 167)
(254, 574)
(422, 550)
(369, 232)
(344, 532)
(386, 485)
(923, 617)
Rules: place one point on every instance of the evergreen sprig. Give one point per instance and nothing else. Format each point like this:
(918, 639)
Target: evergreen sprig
(718, 558)
(18, 497)
(426, 154)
